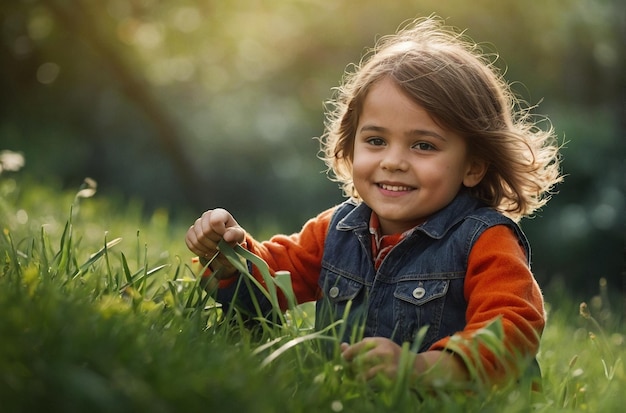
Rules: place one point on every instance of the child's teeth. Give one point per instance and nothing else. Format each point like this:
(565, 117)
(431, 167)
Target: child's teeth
(395, 188)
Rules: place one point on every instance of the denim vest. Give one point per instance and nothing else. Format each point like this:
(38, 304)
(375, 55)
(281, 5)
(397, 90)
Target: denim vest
(419, 283)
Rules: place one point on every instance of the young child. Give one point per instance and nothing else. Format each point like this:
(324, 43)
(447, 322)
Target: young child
(439, 162)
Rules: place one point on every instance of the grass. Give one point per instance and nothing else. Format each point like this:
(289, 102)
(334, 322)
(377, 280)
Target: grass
(98, 315)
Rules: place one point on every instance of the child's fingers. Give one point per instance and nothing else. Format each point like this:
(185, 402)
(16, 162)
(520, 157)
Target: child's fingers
(207, 231)
(217, 222)
(350, 352)
(196, 242)
(234, 235)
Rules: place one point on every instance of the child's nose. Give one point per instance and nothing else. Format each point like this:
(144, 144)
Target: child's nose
(394, 160)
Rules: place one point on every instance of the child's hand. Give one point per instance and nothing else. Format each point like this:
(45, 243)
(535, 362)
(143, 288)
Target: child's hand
(372, 356)
(377, 355)
(208, 230)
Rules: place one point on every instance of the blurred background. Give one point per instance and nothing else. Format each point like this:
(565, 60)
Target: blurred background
(190, 105)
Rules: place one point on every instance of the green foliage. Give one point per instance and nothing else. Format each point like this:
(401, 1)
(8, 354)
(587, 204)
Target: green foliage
(86, 326)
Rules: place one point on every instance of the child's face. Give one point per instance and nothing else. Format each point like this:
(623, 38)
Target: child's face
(405, 166)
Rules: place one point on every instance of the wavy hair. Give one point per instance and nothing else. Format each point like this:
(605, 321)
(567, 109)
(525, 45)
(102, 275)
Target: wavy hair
(457, 84)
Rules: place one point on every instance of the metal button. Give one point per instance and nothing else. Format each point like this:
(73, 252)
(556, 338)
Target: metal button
(333, 292)
(419, 292)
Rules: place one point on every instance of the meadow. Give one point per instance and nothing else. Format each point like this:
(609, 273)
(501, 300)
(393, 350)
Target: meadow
(101, 310)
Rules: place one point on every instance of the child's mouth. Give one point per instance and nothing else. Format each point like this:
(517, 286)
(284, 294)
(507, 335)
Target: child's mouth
(395, 188)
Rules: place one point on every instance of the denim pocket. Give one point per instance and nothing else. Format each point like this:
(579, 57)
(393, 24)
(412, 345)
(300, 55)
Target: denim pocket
(342, 289)
(422, 291)
(419, 303)
(343, 299)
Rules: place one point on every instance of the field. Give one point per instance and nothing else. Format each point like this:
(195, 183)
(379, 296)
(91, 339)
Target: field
(101, 311)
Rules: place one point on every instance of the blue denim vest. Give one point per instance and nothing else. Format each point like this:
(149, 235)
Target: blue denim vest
(419, 283)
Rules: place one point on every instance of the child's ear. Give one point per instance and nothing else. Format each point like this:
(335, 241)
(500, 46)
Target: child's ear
(476, 170)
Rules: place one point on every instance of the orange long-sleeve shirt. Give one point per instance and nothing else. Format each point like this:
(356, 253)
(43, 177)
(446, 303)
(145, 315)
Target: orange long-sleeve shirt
(498, 283)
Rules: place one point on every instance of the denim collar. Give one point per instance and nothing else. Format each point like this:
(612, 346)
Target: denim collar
(435, 227)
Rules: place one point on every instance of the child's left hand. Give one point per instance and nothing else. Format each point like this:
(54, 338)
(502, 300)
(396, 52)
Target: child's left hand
(377, 355)
(372, 356)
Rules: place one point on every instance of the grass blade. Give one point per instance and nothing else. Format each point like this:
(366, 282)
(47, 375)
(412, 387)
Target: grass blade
(96, 256)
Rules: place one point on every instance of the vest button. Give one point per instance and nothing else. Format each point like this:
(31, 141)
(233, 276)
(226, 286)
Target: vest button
(333, 292)
(419, 292)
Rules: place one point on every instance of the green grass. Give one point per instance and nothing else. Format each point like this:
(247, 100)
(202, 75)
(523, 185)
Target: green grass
(101, 311)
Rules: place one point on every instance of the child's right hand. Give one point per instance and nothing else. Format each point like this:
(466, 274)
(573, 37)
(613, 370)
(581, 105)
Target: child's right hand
(207, 231)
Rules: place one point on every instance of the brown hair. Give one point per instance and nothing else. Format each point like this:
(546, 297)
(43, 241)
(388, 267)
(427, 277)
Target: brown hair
(452, 78)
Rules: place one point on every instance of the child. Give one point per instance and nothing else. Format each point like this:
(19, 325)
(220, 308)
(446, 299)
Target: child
(439, 163)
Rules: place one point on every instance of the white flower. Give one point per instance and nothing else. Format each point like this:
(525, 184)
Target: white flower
(11, 161)
(87, 189)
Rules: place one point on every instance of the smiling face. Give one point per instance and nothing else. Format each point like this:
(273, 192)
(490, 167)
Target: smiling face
(406, 167)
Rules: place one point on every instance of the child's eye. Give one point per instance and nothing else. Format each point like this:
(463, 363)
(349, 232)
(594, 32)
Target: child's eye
(376, 141)
(424, 146)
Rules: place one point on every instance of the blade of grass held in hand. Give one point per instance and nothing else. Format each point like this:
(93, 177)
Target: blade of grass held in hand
(282, 279)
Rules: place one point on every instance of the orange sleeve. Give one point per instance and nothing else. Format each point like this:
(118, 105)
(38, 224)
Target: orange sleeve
(498, 283)
(299, 253)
